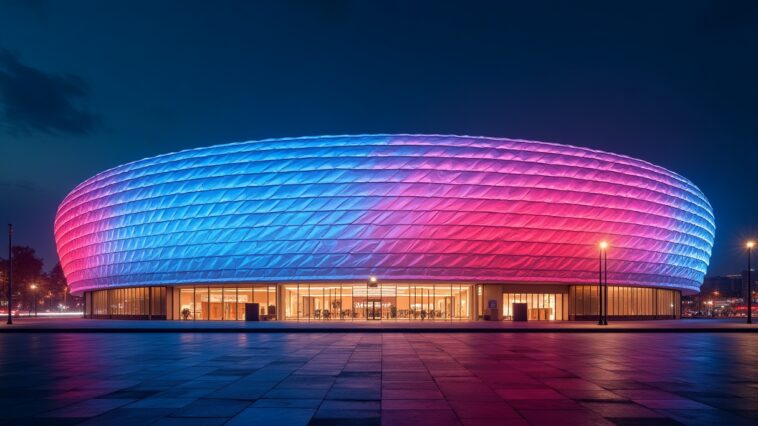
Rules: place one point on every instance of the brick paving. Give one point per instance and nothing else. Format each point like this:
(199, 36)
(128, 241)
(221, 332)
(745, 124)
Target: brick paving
(378, 378)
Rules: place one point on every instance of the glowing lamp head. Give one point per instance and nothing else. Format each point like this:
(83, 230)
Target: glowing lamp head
(750, 244)
(33, 286)
(603, 245)
(372, 279)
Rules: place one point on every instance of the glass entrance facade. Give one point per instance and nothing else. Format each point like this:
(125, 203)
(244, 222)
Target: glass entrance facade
(400, 301)
(225, 303)
(540, 306)
(352, 302)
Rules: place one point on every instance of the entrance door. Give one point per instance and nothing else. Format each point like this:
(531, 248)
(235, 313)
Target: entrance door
(374, 310)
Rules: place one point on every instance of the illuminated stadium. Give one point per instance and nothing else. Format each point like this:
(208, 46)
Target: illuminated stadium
(384, 227)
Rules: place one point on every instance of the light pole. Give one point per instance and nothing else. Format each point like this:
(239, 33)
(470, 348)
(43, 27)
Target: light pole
(601, 319)
(750, 245)
(34, 299)
(10, 274)
(605, 285)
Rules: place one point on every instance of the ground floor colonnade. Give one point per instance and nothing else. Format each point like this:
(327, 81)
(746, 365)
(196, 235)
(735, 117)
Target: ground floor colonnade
(386, 301)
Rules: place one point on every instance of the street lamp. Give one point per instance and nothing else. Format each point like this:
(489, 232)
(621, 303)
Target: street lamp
(749, 245)
(10, 274)
(602, 307)
(33, 287)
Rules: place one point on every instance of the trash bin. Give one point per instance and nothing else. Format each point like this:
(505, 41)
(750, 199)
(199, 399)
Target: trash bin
(252, 312)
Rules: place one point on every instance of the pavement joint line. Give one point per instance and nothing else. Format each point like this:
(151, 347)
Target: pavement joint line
(86, 326)
(12, 330)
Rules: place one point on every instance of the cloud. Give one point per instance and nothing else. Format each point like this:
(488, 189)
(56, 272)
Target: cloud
(34, 100)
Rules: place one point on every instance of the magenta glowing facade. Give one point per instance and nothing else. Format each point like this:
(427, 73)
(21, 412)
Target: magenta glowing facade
(405, 208)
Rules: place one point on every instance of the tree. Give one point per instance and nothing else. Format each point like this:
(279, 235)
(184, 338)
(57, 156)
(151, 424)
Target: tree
(51, 288)
(27, 270)
(27, 267)
(57, 283)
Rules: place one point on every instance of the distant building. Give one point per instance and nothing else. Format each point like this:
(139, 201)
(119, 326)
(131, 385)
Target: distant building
(725, 285)
(743, 283)
(721, 296)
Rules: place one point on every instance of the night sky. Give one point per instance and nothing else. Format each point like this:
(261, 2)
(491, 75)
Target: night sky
(85, 86)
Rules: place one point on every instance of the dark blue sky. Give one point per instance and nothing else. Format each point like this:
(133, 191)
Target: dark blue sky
(88, 85)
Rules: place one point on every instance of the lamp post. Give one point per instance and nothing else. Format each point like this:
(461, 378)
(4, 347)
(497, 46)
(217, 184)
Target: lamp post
(33, 287)
(600, 285)
(10, 275)
(602, 319)
(605, 286)
(750, 245)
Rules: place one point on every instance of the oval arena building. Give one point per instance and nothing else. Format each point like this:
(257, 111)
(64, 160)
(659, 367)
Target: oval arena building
(384, 227)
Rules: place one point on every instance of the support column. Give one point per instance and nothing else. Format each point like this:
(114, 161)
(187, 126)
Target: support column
(149, 303)
(279, 302)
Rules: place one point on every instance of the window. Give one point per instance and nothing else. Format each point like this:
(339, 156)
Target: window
(225, 303)
(131, 302)
(625, 302)
(385, 301)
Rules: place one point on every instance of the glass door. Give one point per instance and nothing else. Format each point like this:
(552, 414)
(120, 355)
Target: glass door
(374, 309)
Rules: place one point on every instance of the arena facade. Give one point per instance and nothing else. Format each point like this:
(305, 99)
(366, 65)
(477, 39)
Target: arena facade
(384, 227)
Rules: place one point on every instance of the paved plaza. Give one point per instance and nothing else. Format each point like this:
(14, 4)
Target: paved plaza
(378, 378)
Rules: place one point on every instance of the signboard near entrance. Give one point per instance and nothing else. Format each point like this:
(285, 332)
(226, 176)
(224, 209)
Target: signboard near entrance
(519, 311)
(252, 312)
(492, 310)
